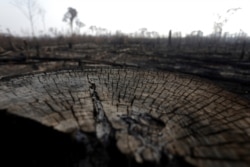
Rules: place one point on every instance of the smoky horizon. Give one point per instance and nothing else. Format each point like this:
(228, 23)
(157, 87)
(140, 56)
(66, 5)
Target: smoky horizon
(134, 18)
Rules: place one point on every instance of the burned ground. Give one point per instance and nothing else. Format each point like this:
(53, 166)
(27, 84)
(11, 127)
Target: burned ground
(132, 99)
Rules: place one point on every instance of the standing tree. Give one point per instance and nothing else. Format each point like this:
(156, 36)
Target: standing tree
(31, 10)
(79, 25)
(42, 14)
(222, 20)
(69, 16)
(93, 29)
(170, 37)
(143, 31)
(218, 28)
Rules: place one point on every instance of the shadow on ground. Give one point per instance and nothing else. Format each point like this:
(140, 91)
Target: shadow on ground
(25, 142)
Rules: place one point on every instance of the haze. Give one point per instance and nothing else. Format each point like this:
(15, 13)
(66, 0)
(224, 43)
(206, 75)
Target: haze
(129, 16)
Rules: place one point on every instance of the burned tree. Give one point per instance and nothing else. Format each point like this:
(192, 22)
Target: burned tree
(137, 116)
(222, 20)
(31, 9)
(170, 38)
(69, 16)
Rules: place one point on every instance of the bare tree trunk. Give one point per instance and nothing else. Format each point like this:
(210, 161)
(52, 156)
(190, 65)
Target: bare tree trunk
(71, 27)
(31, 17)
(170, 38)
(150, 118)
(31, 9)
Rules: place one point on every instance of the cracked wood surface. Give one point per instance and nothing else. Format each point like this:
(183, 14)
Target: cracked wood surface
(150, 114)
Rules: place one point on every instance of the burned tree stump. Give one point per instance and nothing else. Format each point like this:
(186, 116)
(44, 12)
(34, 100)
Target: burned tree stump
(152, 117)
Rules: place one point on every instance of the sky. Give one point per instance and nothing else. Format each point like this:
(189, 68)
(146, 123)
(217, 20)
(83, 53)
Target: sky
(129, 16)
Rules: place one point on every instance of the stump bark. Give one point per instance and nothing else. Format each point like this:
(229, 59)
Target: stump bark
(145, 117)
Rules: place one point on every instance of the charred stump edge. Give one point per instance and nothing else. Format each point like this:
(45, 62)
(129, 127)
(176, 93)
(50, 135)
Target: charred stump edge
(149, 115)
